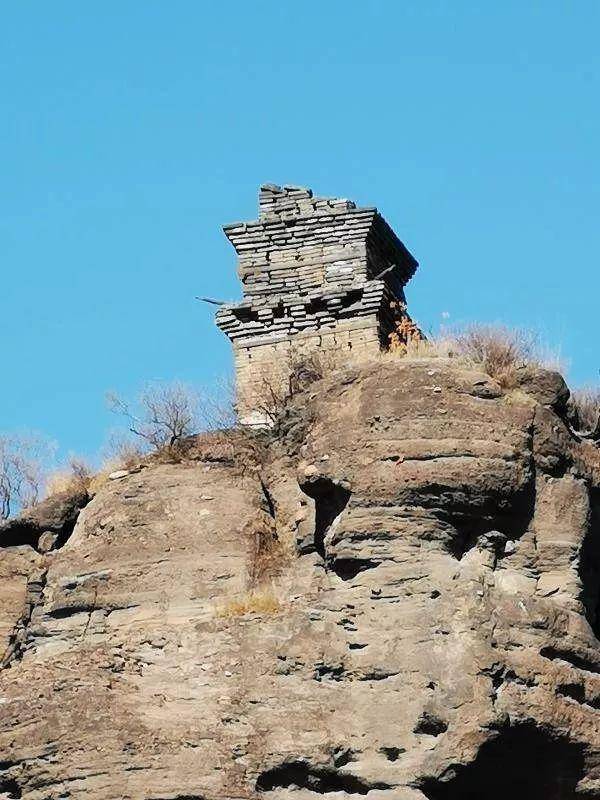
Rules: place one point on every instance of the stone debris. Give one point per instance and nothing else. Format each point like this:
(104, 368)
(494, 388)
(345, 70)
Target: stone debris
(119, 473)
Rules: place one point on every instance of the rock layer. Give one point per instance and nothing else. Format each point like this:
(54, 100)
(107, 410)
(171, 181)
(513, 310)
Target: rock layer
(401, 603)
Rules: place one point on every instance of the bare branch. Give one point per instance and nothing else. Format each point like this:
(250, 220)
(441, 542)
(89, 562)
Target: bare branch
(163, 414)
(23, 462)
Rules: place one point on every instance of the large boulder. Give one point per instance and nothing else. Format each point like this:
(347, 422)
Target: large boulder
(55, 516)
(547, 387)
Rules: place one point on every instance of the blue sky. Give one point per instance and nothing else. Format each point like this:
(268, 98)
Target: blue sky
(133, 130)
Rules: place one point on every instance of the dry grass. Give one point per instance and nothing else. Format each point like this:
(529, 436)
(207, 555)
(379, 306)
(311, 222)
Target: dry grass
(127, 456)
(434, 347)
(498, 350)
(266, 556)
(265, 560)
(122, 452)
(518, 397)
(406, 332)
(586, 404)
(256, 602)
(74, 479)
(78, 476)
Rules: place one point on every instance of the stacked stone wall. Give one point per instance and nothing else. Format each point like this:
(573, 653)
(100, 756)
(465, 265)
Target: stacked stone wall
(291, 201)
(301, 243)
(294, 314)
(318, 274)
(262, 371)
(292, 256)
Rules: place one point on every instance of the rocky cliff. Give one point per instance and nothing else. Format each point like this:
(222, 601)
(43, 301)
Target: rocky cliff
(399, 599)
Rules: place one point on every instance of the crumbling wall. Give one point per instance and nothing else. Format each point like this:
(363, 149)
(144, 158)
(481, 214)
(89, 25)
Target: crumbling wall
(262, 370)
(318, 272)
(301, 243)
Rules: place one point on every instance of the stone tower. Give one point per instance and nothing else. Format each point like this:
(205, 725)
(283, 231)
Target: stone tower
(317, 274)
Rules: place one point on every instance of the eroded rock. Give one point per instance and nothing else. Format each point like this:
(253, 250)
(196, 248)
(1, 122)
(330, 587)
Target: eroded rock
(402, 604)
(55, 516)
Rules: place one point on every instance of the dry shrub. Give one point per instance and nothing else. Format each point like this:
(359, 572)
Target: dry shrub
(164, 419)
(275, 390)
(498, 350)
(406, 333)
(244, 449)
(265, 553)
(162, 415)
(219, 436)
(78, 476)
(122, 452)
(265, 560)
(74, 479)
(586, 404)
(216, 410)
(128, 457)
(255, 602)
(442, 346)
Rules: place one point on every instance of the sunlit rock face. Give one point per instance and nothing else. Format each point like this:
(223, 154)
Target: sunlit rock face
(401, 602)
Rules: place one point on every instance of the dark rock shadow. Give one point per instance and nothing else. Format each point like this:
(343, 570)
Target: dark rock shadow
(317, 778)
(522, 762)
(589, 566)
(330, 500)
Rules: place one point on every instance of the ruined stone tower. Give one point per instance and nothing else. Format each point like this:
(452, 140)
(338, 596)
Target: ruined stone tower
(317, 274)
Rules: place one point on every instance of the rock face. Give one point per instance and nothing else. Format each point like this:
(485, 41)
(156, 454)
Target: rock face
(402, 602)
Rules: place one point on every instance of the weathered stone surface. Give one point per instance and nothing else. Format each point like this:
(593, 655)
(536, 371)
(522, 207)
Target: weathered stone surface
(547, 387)
(424, 625)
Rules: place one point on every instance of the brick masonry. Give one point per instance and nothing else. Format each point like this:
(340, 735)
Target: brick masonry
(318, 275)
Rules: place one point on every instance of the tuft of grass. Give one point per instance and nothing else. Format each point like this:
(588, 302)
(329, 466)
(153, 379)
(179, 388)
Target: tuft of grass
(78, 476)
(518, 397)
(586, 404)
(257, 602)
(266, 556)
(498, 350)
(122, 452)
(433, 347)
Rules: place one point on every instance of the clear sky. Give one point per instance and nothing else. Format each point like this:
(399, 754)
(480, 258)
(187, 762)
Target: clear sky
(131, 130)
